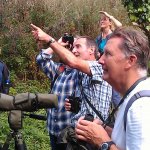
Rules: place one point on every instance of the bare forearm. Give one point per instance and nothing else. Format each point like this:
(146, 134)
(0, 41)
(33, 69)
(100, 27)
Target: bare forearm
(116, 22)
(70, 59)
(65, 55)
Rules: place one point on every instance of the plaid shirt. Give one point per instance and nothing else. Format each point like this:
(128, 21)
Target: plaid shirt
(64, 86)
(98, 92)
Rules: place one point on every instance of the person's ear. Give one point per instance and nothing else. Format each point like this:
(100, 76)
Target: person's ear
(110, 23)
(92, 50)
(132, 60)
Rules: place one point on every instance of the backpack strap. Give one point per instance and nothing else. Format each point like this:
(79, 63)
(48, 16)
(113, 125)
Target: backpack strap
(99, 39)
(144, 93)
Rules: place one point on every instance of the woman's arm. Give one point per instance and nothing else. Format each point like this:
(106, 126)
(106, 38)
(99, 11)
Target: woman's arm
(117, 23)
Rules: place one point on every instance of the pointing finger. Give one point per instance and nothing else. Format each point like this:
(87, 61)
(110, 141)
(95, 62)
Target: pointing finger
(34, 27)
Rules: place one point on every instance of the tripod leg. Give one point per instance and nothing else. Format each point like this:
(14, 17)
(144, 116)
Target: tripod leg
(19, 142)
(7, 142)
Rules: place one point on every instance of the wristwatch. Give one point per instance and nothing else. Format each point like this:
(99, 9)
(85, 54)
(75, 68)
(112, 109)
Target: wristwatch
(106, 145)
(50, 41)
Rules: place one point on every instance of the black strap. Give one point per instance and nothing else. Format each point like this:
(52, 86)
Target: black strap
(93, 108)
(89, 103)
(108, 120)
(144, 93)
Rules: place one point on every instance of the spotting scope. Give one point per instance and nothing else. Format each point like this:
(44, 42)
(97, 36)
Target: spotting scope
(27, 101)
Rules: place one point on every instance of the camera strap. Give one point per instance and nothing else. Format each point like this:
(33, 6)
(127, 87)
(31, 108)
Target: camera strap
(93, 108)
(108, 120)
(87, 100)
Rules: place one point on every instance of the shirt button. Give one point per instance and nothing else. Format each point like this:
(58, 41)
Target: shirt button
(55, 120)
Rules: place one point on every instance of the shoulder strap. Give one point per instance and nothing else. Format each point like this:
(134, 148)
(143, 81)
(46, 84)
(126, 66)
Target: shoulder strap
(144, 93)
(93, 108)
(87, 100)
(108, 36)
(98, 40)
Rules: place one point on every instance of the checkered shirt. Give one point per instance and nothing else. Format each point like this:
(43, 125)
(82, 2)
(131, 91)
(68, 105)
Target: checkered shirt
(98, 92)
(64, 86)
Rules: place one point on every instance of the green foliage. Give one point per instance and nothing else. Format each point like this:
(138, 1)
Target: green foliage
(4, 128)
(35, 133)
(32, 86)
(139, 12)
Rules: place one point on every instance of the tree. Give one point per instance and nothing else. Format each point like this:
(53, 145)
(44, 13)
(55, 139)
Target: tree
(139, 14)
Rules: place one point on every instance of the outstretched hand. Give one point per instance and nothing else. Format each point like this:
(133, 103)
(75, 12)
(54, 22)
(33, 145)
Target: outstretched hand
(39, 34)
(62, 43)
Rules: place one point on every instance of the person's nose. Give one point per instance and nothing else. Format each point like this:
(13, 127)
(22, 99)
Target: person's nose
(101, 60)
(74, 50)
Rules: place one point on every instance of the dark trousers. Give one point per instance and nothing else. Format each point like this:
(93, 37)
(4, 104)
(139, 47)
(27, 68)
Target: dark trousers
(55, 145)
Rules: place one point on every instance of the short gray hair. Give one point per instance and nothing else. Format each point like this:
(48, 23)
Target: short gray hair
(134, 42)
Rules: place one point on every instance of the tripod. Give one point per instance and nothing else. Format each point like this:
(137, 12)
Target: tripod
(15, 123)
(19, 142)
(23, 102)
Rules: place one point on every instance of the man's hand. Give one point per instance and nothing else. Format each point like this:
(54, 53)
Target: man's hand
(62, 43)
(39, 34)
(91, 132)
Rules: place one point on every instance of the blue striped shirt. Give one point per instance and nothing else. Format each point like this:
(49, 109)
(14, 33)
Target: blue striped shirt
(64, 86)
(98, 92)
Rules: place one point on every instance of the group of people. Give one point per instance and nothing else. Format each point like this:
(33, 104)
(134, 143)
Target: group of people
(122, 67)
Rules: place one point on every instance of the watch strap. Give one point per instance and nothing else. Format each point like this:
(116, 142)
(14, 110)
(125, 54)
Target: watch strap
(50, 41)
(109, 143)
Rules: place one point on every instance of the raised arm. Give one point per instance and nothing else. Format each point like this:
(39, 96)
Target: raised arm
(117, 23)
(67, 57)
